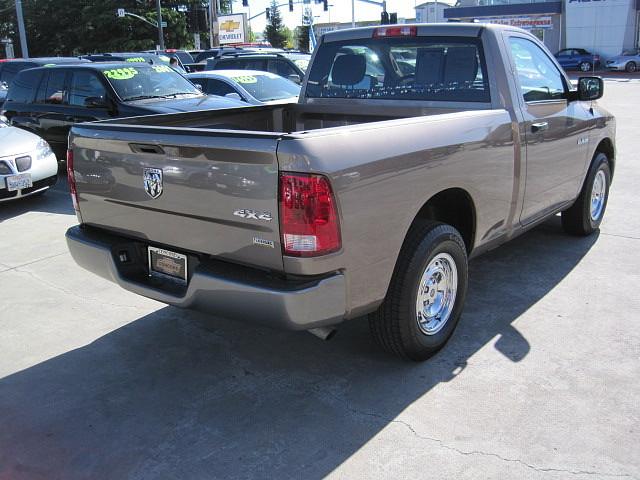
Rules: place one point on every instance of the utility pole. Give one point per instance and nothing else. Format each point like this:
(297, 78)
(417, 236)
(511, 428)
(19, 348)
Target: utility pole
(213, 23)
(23, 36)
(353, 13)
(160, 32)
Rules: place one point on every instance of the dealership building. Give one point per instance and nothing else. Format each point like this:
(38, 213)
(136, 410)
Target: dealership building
(605, 27)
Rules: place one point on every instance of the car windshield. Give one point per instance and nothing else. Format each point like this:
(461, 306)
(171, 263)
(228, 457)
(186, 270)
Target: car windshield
(301, 62)
(141, 81)
(267, 87)
(630, 52)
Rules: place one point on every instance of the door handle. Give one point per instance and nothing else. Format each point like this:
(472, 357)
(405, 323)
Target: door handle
(538, 127)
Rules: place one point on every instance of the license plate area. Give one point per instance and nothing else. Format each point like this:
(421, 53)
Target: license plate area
(19, 182)
(167, 265)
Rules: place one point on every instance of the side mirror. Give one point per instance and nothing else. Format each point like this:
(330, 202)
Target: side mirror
(294, 77)
(233, 95)
(95, 102)
(590, 88)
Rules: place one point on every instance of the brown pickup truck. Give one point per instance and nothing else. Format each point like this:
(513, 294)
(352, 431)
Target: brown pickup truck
(412, 148)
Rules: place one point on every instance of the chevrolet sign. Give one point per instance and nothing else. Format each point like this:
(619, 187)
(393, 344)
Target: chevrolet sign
(232, 28)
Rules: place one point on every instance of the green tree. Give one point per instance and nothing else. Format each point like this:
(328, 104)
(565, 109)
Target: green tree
(70, 27)
(274, 31)
(302, 38)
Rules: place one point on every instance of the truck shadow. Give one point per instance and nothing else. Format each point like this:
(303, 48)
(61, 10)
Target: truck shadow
(176, 394)
(56, 200)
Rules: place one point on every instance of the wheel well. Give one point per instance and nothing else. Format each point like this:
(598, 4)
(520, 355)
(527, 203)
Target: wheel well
(454, 207)
(606, 147)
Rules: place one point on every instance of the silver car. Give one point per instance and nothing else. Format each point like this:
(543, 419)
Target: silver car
(628, 61)
(27, 164)
(251, 86)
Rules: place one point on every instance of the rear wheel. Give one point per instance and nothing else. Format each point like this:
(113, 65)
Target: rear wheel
(631, 67)
(585, 215)
(426, 295)
(585, 66)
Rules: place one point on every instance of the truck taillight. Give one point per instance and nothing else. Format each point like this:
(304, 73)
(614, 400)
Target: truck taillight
(308, 215)
(383, 32)
(71, 177)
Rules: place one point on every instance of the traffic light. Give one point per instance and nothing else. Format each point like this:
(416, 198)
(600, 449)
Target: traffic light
(325, 5)
(245, 3)
(291, 5)
(384, 18)
(393, 18)
(268, 12)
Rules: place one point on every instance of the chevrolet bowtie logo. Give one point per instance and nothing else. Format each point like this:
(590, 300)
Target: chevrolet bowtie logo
(229, 26)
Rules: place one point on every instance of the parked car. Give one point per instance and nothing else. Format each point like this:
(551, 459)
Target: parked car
(577, 59)
(203, 55)
(49, 100)
(251, 86)
(356, 200)
(28, 166)
(9, 69)
(628, 61)
(278, 63)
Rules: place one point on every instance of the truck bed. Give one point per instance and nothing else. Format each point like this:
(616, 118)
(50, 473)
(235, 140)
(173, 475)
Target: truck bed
(281, 118)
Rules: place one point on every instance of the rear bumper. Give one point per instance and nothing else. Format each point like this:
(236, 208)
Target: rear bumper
(230, 292)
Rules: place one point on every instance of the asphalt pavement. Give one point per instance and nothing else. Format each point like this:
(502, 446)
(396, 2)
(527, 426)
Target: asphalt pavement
(540, 381)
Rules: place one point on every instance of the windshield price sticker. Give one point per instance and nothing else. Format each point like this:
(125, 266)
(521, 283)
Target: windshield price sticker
(120, 73)
(162, 68)
(135, 60)
(246, 79)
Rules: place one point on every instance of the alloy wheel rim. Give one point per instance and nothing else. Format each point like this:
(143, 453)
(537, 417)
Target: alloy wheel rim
(598, 195)
(436, 294)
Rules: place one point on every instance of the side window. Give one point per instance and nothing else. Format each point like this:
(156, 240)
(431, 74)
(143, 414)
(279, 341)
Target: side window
(538, 77)
(565, 53)
(200, 81)
(84, 84)
(218, 87)
(55, 92)
(23, 87)
(282, 68)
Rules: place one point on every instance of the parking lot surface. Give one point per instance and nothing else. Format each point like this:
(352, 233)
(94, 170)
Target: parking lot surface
(540, 381)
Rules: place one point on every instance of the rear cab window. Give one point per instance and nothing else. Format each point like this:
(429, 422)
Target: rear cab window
(427, 68)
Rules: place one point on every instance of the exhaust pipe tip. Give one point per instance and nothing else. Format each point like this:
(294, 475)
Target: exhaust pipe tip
(323, 333)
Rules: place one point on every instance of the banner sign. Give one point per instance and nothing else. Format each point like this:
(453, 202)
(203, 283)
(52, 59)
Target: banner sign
(521, 22)
(232, 28)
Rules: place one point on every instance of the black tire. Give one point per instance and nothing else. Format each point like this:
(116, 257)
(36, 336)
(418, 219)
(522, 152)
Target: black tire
(577, 219)
(631, 67)
(394, 325)
(585, 66)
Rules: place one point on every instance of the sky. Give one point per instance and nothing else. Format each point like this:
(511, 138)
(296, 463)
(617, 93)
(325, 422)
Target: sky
(339, 11)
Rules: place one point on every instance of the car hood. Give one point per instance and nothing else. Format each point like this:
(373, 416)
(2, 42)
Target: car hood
(14, 141)
(188, 104)
(620, 58)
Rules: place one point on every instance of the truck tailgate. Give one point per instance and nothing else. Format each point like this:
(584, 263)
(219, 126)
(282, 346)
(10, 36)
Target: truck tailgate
(205, 191)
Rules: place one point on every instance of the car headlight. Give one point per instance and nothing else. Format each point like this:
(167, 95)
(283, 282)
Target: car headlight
(43, 150)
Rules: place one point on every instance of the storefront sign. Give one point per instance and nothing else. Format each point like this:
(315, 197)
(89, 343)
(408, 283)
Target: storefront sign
(232, 28)
(521, 22)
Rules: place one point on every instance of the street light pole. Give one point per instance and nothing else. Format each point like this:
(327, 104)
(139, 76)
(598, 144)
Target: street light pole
(23, 36)
(160, 32)
(353, 13)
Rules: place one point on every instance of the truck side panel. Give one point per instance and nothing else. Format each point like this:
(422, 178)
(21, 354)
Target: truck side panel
(382, 188)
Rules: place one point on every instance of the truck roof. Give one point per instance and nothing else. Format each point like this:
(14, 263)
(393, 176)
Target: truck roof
(424, 29)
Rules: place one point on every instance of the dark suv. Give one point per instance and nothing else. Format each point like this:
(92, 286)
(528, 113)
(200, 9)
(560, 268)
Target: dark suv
(287, 66)
(49, 100)
(10, 68)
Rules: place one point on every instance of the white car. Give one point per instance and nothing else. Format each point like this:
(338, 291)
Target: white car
(252, 86)
(27, 164)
